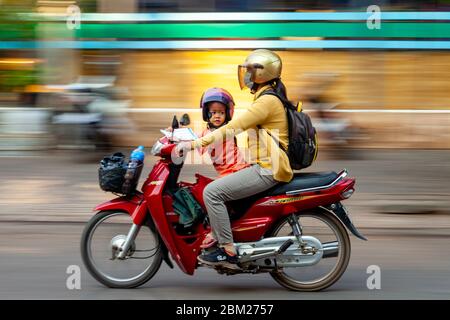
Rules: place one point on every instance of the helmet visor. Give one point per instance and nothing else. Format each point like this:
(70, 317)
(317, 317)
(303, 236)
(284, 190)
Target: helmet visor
(245, 77)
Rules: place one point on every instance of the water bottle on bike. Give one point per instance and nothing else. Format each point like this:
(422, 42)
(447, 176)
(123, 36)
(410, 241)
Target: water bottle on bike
(134, 169)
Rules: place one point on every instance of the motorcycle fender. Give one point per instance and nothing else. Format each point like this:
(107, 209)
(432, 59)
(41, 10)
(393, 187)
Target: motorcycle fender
(138, 213)
(340, 212)
(132, 206)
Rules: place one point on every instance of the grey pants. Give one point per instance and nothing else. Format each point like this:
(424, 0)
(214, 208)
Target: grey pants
(238, 185)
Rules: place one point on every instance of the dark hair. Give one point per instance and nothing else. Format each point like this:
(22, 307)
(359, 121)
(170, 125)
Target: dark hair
(276, 84)
(280, 88)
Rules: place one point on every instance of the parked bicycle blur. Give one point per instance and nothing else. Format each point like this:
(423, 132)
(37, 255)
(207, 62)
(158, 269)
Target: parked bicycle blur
(89, 115)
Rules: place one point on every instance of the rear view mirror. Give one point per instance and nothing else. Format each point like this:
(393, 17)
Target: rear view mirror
(185, 120)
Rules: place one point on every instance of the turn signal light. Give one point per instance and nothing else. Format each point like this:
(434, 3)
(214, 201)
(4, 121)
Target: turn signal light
(347, 193)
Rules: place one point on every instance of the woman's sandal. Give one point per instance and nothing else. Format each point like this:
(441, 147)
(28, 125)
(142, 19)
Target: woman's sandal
(208, 242)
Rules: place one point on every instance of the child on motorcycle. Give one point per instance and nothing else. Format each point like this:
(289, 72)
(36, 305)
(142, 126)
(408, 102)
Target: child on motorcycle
(217, 106)
(217, 109)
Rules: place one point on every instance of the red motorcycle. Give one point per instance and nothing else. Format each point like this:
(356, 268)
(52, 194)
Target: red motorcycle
(294, 231)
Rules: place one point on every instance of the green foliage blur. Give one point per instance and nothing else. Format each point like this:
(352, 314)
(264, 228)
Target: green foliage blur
(14, 27)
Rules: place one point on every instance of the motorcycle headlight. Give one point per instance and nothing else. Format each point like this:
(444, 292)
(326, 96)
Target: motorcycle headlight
(156, 149)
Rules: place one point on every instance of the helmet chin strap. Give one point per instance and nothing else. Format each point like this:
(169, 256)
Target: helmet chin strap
(255, 88)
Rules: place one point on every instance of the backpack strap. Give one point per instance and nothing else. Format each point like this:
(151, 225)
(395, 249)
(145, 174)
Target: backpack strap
(286, 103)
(275, 139)
(273, 93)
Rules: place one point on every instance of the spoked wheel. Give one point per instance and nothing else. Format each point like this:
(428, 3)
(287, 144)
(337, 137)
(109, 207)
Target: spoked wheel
(102, 237)
(336, 252)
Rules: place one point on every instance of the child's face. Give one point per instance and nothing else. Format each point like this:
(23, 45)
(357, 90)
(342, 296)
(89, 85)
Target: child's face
(217, 111)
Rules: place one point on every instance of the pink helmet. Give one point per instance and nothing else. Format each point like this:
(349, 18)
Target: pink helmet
(217, 95)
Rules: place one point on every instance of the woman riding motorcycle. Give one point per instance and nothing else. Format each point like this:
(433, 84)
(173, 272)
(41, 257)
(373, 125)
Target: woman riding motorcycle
(266, 124)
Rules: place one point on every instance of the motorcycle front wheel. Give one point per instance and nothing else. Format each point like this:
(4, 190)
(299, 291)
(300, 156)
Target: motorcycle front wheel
(329, 231)
(106, 231)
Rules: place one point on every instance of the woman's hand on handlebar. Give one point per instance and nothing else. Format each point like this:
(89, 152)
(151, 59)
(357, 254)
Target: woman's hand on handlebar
(182, 148)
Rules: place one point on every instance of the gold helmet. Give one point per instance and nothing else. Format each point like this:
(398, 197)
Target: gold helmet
(259, 67)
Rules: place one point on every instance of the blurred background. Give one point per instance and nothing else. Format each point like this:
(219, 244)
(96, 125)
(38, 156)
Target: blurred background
(84, 78)
(149, 59)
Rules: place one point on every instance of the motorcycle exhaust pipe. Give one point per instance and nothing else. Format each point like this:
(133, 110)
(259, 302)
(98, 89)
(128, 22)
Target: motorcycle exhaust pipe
(269, 254)
(330, 249)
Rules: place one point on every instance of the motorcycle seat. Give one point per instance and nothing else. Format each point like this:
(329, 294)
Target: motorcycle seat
(304, 181)
(299, 181)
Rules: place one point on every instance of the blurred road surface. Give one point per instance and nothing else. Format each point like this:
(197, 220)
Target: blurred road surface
(401, 204)
(35, 257)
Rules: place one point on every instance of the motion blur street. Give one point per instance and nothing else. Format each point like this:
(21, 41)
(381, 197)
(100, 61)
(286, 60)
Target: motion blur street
(81, 80)
(401, 204)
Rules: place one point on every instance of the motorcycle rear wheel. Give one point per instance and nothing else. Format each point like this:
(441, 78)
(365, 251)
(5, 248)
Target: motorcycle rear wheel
(284, 279)
(97, 262)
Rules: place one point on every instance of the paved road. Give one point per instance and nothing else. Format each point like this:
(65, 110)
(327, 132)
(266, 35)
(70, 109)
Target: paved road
(401, 203)
(35, 257)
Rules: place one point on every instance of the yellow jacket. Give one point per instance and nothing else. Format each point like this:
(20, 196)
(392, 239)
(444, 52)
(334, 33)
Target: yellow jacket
(268, 113)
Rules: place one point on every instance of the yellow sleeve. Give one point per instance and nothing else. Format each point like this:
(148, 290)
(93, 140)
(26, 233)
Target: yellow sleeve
(256, 114)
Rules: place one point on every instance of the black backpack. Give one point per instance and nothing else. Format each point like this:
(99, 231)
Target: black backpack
(303, 145)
